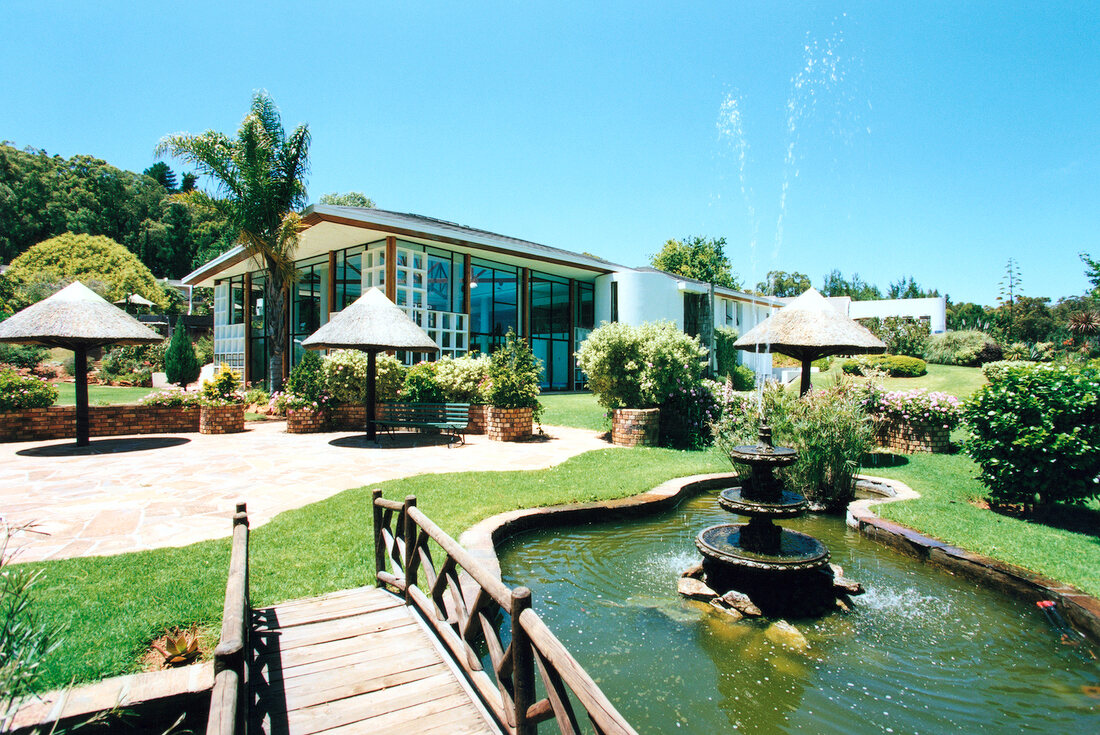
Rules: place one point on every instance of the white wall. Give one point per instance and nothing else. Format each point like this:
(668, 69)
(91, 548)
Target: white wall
(935, 309)
(644, 296)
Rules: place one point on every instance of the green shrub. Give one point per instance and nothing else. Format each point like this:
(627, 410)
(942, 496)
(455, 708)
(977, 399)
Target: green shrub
(18, 391)
(346, 376)
(995, 372)
(463, 379)
(514, 376)
(639, 367)
(204, 350)
(171, 398)
(420, 385)
(1035, 434)
(223, 390)
(896, 366)
(181, 366)
(256, 397)
(829, 428)
(687, 416)
(903, 335)
(725, 353)
(306, 380)
(1016, 351)
(969, 348)
(742, 378)
(1042, 352)
(22, 356)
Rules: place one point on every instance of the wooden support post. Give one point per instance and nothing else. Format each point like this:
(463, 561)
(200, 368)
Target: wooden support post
(80, 365)
(523, 664)
(410, 548)
(391, 268)
(467, 271)
(379, 544)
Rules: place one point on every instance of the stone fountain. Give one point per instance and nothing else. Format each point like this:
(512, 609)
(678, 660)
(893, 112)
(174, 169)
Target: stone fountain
(782, 572)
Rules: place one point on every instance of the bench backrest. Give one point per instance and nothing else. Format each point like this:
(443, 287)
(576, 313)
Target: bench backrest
(451, 413)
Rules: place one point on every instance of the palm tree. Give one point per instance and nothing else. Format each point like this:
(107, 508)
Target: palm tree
(260, 186)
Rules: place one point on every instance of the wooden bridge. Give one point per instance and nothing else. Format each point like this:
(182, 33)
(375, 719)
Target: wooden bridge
(462, 653)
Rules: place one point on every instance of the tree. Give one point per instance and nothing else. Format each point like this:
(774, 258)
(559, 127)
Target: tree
(1010, 288)
(782, 284)
(188, 183)
(261, 183)
(351, 199)
(163, 175)
(1092, 272)
(968, 315)
(836, 285)
(907, 288)
(181, 365)
(697, 257)
(99, 262)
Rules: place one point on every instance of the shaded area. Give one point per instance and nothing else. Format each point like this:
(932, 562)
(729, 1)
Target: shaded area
(105, 446)
(400, 440)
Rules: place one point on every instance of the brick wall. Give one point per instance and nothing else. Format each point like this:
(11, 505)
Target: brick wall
(59, 422)
(632, 427)
(479, 419)
(221, 419)
(908, 438)
(305, 421)
(509, 424)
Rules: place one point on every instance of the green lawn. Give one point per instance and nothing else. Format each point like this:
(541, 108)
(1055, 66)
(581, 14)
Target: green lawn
(100, 395)
(574, 409)
(958, 381)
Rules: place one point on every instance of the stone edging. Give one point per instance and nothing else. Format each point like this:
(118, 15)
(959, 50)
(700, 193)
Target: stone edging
(1080, 609)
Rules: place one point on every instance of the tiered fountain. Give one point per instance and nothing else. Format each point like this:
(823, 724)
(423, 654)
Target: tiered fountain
(785, 573)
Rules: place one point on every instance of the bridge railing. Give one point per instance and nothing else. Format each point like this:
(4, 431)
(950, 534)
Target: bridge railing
(469, 609)
(229, 697)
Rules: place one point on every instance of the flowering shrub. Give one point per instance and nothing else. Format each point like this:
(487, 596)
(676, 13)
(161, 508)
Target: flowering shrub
(1036, 435)
(18, 391)
(223, 390)
(420, 385)
(916, 406)
(280, 402)
(640, 367)
(171, 398)
(514, 376)
(687, 415)
(345, 374)
(463, 379)
(995, 372)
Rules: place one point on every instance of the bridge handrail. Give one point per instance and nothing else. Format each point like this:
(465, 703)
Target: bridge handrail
(466, 605)
(229, 697)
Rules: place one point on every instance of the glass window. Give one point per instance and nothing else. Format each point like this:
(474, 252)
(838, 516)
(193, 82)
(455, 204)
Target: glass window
(586, 307)
(439, 283)
(236, 300)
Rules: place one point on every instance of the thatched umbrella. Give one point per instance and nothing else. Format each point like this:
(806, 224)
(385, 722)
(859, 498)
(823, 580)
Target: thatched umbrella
(76, 318)
(372, 324)
(808, 329)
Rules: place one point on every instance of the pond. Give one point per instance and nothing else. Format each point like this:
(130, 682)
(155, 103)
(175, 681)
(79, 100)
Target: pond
(922, 651)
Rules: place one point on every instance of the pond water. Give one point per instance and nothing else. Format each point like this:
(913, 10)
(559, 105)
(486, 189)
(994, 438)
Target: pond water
(922, 652)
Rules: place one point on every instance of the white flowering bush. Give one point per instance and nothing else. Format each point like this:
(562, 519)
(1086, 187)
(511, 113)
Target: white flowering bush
(346, 376)
(917, 407)
(463, 379)
(171, 398)
(19, 391)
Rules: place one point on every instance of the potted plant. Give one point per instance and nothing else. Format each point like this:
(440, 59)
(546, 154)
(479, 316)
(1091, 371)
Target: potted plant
(222, 404)
(306, 399)
(513, 391)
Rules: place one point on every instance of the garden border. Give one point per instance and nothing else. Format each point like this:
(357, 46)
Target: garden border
(1082, 610)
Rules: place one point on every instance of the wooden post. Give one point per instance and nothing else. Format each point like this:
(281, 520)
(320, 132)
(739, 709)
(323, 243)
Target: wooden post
(523, 664)
(804, 384)
(467, 268)
(80, 365)
(391, 268)
(379, 545)
(372, 378)
(410, 549)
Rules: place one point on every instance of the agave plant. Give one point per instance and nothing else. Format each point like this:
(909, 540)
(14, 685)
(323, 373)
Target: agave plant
(1017, 351)
(180, 649)
(1085, 323)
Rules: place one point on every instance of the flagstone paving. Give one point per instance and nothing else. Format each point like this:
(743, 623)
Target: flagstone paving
(104, 504)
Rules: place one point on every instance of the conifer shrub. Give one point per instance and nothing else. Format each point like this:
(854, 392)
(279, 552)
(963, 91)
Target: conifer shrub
(1035, 434)
(307, 380)
(181, 365)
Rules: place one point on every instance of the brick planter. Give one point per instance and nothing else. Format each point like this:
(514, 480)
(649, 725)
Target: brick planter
(221, 419)
(59, 422)
(635, 427)
(479, 419)
(304, 421)
(509, 424)
(909, 438)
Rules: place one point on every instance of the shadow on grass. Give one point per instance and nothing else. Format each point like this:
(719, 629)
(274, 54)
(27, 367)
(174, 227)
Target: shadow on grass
(104, 446)
(882, 459)
(1072, 518)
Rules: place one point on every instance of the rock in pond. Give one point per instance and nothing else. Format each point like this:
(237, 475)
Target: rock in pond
(741, 602)
(784, 634)
(695, 590)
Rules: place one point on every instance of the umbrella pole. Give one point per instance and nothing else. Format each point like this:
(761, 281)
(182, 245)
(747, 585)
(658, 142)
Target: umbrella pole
(371, 374)
(804, 386)
(80, 362)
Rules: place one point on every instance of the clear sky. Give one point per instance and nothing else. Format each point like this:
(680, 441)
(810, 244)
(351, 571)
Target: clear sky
(931, 139)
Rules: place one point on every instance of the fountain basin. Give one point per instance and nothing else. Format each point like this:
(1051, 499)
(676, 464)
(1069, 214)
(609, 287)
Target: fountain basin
(787, 505)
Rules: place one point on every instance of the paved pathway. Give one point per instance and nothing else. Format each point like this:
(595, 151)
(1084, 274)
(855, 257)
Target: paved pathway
(105, 504)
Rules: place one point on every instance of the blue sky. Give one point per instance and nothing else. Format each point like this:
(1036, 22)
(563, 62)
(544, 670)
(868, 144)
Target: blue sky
(931, 139)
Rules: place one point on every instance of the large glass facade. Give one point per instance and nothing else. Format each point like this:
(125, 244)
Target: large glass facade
(494, 306)
(550, 328)
(309, 301)
(258, 354)
(349, 277)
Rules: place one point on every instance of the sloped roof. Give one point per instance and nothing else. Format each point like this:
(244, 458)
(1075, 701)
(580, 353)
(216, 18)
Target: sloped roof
(372, 322)
(73, 316)
(810, 327)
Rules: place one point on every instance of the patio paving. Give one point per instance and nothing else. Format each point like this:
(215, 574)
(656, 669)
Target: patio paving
(102, 504)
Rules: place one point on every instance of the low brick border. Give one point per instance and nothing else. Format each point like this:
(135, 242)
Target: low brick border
(59, 422)
(221, 419)
(911, 437)
(305, 421)
(635, 427)
(510, 424)
(154, 696)
(1083, 611)
(479, 419)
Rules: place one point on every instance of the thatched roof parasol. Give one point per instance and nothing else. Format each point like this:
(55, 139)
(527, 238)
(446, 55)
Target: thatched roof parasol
(76, 318)
(808, 329)
(372, 323)
(135, 299)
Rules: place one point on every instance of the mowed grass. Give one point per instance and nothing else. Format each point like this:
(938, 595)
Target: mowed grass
(100, 395)
(113, 606)
(579, 410)
(958, 381)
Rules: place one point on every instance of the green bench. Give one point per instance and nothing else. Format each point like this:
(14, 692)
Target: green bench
(451, 418)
